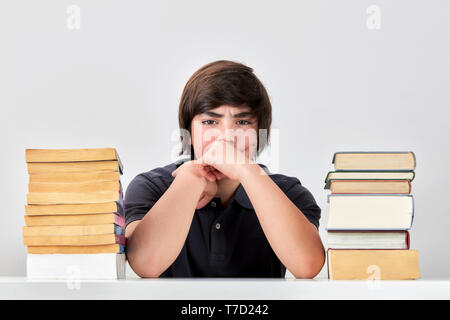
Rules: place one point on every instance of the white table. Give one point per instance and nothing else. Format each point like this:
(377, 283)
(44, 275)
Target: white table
(222, 289)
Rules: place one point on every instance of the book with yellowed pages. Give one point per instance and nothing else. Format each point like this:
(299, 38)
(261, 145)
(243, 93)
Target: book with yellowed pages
(84, 240)
(69, 177)
(74, 220)
(364, 175)
(92, 186)
(72, 167)
(374, 160)
(373, 264)
(75, 230)
(91, 249)
(370, 186)
(72, 209)
(40, 198)
(67, 160)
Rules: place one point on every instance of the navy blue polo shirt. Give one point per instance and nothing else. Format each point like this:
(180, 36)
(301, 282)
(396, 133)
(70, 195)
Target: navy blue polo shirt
(222, 242)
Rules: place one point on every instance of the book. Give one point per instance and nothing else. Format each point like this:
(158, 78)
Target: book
(373, 264)
(74, 197)
(364, 239)
(91, 249)
(85, 240)
(92, 186)
(379, 160)
(76, 266)
(67, 167)
(370, 186)
(76, 230)
(78, 219)
(75, 176)
(72, 209)
(368, 175)
(73, 155)
(370, 211)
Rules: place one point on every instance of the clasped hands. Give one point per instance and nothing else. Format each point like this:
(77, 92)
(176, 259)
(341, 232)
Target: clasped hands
(221, 159)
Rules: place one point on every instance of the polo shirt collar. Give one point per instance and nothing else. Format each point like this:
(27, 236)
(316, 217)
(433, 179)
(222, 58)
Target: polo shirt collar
(242, 199)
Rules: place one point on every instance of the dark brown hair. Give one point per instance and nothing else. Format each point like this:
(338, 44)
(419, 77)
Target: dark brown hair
(219, 83)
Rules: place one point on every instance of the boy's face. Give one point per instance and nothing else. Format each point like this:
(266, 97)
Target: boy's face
(230, 123)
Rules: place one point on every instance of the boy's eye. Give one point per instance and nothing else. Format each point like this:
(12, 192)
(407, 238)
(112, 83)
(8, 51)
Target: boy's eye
(208, 122)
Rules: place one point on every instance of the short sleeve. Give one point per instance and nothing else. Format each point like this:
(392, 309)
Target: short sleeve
(141, 194)
(305, 201)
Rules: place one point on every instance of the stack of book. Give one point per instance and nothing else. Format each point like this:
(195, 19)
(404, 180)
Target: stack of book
(74, 216)
(370, 214)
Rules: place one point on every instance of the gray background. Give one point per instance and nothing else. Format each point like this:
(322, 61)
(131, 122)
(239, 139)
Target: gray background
(335, 85)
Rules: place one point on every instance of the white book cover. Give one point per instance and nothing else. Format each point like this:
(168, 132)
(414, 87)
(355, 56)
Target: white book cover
(98, 266)
(370, 212)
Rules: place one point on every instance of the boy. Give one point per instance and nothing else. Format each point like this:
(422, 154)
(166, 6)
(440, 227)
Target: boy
(216, 215)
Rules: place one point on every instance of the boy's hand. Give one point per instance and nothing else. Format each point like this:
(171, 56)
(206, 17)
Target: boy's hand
(227, 158)
(201, 170)
(208, 193)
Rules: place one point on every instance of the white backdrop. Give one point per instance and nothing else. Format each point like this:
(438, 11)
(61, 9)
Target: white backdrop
(342, 76)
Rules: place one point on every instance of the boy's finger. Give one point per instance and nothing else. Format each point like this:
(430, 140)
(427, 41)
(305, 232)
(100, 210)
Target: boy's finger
(218, 174)
(211, 177)
(203, 171)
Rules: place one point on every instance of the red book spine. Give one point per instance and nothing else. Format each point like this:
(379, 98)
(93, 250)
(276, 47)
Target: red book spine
(120, 239)
(119, 220)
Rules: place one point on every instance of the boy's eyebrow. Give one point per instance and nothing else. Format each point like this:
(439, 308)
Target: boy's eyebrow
(217, 115)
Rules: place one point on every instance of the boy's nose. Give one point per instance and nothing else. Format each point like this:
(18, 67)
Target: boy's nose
(228, 135)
